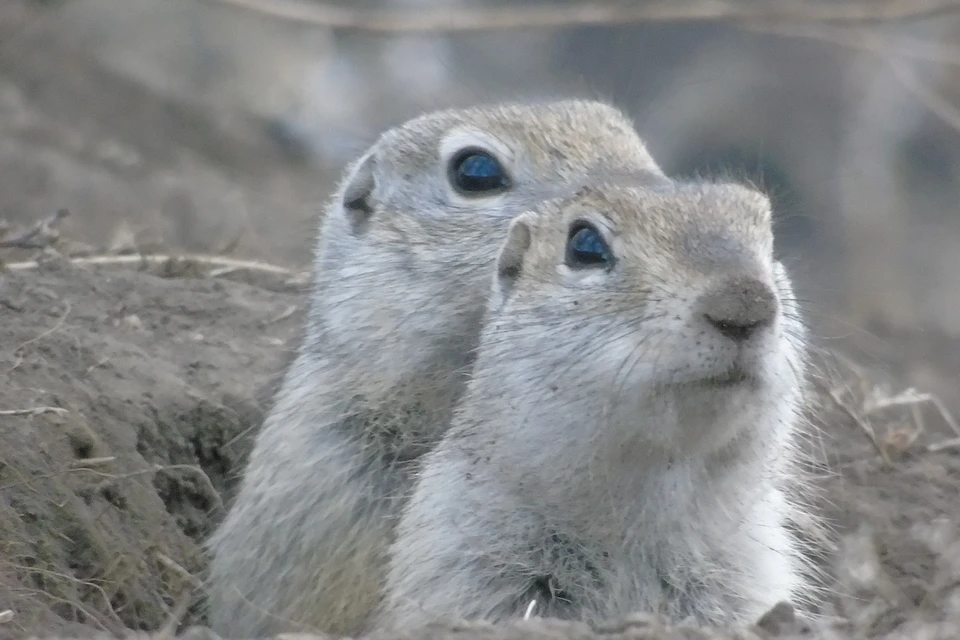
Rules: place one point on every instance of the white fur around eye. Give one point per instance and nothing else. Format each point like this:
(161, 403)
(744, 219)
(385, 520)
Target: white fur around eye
(458, 139)
(583, 277)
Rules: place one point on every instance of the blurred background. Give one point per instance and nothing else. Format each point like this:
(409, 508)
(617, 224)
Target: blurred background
(221, 125)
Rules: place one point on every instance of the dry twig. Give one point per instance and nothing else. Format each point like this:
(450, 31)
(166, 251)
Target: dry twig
(551, 14)
(39, 236)
(92, 462)
(937, 104)
(953, 443)
(874, 398)
(835, 22)
(910, 398)
(892, 51)
(221, 262)
(867, 40)
(67, 307)
(168, 632)
(107, 619)
(32, 411)
(177, 568)
(861, 422)
(530, 608)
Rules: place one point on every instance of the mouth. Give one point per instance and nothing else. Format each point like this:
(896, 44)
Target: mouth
(735, 376)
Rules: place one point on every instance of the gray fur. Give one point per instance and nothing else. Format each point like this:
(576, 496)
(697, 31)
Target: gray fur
(401, 279)
(600, 461)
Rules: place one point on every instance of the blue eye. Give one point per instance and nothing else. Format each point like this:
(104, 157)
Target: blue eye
(476, 172)
(587, 248)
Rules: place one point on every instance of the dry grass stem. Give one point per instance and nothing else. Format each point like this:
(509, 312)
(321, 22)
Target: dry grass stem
(867, 40)
(108, 619)
(953, 443)
(530, 608)
(830, 22)
(177, 568)
(549, 14)
(222, 262)
(201, 475)
(857, 417)
(913, 399)
(39, 236)
(60, 321)
(32, 411)
(873, 399)
(169, 630)
(892, 51)
(937, 104)
(283, 315)
(92, 462)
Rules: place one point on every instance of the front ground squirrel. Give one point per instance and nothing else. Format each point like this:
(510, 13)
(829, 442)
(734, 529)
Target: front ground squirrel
(401, 274)
(627, 440)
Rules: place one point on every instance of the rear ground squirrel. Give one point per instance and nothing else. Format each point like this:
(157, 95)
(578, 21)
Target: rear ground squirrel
(626, 442)
(401, 272)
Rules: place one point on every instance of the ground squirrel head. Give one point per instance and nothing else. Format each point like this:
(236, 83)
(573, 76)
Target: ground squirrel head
(657, 303)
(410, 237)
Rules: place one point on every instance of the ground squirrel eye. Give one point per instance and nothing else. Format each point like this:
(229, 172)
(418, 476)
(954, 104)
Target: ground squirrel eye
(587, 248)
(476, 172)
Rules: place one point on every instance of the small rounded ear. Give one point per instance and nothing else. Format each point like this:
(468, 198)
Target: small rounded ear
(512, 254)
(357, 193)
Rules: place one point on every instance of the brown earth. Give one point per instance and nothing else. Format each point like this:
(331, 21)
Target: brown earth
(126, 406)
(129, 392)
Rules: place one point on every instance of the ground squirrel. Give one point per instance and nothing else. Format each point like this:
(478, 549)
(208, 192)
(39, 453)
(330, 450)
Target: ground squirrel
(403, 261)
(626, 440)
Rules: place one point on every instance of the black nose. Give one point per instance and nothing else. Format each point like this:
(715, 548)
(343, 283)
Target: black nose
(740, 307)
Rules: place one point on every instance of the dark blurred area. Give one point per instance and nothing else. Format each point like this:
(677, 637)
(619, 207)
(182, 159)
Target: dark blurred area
(197, 125)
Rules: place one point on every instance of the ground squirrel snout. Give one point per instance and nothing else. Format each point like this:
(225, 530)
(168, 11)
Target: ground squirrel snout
(740, 307)
(614, 450)
(402, 270)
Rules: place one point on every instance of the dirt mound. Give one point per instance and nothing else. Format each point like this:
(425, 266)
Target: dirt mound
(126, 408)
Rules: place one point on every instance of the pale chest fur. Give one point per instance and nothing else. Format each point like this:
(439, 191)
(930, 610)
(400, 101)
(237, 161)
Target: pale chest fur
(670, 545)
